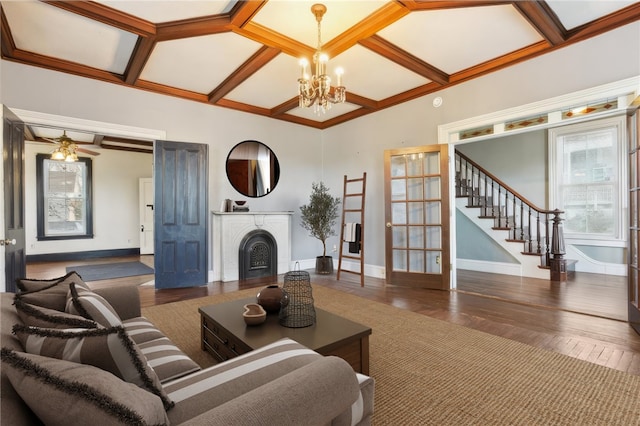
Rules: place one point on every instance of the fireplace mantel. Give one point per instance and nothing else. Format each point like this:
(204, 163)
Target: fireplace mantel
(228, 230)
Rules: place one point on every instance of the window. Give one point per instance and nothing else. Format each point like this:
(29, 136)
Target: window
(587, 178)
(64, 199)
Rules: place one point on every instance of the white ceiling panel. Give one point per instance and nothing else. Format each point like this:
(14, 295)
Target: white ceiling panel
(198, 64)
(49, 31)
(572, 16)
(158, 11)
(300, 24)
(273, 84)
(379, 79)
(456, 39)
(180, 47)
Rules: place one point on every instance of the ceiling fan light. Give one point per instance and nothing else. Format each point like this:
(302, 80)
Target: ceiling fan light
(57, 155)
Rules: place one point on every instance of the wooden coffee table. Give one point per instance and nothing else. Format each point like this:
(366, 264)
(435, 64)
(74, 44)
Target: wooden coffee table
(225, 335)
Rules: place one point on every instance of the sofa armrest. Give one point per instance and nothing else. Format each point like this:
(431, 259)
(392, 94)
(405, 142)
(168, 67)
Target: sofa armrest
(124, 299)
(311, 395)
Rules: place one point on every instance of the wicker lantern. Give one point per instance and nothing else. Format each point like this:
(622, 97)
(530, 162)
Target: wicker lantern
(299, 312)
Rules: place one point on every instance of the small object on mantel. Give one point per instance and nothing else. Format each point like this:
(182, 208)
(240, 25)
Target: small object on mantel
(254, 314)
(239, 206)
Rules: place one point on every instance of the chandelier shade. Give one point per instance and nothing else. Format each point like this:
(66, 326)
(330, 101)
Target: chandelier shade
(315, 89)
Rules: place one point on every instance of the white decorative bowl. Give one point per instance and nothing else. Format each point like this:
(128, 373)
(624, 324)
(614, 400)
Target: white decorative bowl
(254, 314)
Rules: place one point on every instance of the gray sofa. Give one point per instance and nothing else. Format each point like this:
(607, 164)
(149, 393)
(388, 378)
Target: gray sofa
(283, 383)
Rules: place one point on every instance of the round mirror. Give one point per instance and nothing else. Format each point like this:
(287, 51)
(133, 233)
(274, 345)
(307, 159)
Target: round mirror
(253, 169)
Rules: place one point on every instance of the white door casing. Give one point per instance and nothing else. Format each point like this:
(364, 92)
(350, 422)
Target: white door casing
(146, 215)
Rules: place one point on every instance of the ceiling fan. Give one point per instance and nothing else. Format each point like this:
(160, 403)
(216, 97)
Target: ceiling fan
(67, 149)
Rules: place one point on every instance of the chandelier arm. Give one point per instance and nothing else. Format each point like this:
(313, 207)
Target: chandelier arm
(316, 90)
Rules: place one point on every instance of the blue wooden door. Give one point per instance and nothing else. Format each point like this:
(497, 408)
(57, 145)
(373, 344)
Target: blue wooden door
(180, 214)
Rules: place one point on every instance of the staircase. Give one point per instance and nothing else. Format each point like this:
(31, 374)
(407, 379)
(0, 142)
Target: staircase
(531, 234)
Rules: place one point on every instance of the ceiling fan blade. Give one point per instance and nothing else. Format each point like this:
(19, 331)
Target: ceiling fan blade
(86, 151)
(49, 140)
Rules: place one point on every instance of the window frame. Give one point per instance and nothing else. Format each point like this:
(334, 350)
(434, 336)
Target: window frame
(555, 147)
(40, 201)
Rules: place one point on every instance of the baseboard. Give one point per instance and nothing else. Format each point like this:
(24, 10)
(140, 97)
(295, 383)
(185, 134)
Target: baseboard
(374, 271)
(490, 267)
(82, 255)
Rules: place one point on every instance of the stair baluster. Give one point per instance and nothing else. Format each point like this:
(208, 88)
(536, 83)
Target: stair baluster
(485, 191)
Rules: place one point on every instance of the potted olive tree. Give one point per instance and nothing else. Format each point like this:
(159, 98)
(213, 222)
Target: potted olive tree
(319, 218)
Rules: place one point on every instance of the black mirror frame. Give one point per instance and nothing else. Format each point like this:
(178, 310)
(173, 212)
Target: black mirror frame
(235, 176)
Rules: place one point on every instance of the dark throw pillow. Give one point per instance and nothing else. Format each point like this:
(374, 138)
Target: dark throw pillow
(107, 348)
(50, 294)
(38, 316)
(66, 393)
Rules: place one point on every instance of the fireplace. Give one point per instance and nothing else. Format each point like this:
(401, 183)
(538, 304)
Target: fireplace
(258, 255)
(229, 234)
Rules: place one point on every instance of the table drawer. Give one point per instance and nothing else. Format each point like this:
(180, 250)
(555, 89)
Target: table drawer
(219, 340)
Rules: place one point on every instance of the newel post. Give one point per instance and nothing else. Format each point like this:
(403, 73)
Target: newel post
(557, 263)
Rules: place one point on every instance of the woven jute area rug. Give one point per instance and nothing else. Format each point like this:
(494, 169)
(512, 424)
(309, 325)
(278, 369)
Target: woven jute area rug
(431, 372)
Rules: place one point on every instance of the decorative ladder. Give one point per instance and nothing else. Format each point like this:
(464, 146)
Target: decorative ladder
(348, 208)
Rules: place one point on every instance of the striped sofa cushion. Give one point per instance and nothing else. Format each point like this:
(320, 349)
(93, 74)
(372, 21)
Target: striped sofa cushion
(221, 383)
(141, 330)
(107, 348)
(166, 359)
(361, 410)
(213, 386)
(81, 301)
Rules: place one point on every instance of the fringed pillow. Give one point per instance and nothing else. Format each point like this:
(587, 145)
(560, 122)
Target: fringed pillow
(107, 348)
(50, 294)
(66, 393)
(81, 301)
(38, 316)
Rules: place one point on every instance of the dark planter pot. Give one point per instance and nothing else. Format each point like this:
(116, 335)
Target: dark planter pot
(324, 265)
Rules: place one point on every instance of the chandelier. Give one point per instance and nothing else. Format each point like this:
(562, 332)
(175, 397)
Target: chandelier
(66, 149)
(316, 90)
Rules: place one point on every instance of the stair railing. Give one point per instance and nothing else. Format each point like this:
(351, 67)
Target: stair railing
(535, 227)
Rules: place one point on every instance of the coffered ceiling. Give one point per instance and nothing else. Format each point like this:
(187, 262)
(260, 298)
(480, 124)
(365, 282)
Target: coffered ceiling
(244, 55)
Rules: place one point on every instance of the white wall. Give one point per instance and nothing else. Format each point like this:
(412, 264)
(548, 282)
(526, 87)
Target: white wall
(359, 145)
(307, 155)
(522, 164)
(115, 202)
(298, 148)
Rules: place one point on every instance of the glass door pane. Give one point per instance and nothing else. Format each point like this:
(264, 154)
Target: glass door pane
(416, 197)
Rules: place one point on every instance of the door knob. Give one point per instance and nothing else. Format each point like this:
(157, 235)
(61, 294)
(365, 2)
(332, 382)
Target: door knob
(388, 224)
(8, 242)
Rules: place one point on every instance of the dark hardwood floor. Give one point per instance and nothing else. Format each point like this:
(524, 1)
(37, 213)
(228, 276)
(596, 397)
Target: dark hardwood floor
(584, 318)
